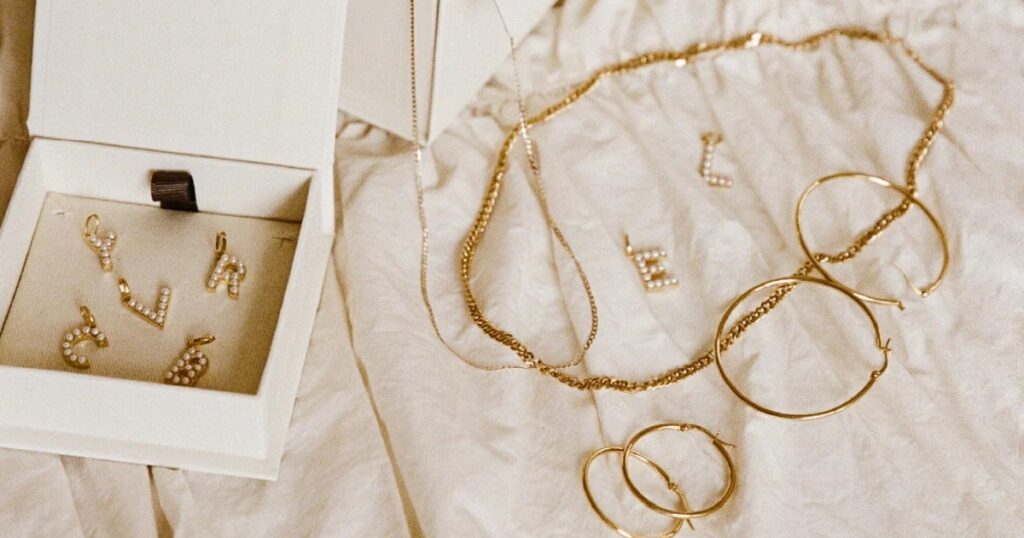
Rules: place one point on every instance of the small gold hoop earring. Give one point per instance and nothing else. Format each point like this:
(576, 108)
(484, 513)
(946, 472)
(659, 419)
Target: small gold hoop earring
(685, 513)
(650, 463)
(908, 196)
(792, 281)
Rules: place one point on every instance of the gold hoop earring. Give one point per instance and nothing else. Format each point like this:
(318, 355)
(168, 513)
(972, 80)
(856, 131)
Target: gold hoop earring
(650, 463)
(909, 196)
(792, 281)
(685, 513)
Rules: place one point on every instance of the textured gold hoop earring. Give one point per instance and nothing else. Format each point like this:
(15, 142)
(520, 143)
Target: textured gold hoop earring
(686, 512)
(792, 281)
(657, 468)
(909, 196)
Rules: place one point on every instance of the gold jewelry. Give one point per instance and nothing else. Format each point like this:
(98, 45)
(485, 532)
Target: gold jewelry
(711, 140)
(226, 268)
(909, 198)
(191, 365)
(156, 316)
(650, 463)
(685, 513)
(87, 332)
(790, 282)
(425, 230)
(648, 264)
(682, 58)
(100, 245)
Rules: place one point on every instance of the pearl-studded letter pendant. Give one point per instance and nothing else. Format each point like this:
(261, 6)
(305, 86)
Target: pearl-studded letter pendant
(158, 315)
(101, 245)
(87, 332)
(649, 264)
(227, 269)
(710, 141)
(190, 365)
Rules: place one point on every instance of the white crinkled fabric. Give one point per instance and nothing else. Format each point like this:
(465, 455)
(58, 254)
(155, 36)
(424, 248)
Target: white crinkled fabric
(392, 435)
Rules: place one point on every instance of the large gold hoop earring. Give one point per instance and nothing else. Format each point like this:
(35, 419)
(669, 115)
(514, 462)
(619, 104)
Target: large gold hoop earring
(650, 463)
(909, 196)
(792, 281)
(686, 512)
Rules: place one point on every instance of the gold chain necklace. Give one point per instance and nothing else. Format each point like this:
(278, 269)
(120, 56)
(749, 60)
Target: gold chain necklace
(681, 57)
(425, 230)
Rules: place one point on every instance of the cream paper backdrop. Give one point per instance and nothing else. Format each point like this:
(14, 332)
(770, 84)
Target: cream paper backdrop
(393, 436)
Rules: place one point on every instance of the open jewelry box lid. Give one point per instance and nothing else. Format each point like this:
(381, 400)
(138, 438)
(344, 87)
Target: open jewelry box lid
(229, 79)
(459, 46)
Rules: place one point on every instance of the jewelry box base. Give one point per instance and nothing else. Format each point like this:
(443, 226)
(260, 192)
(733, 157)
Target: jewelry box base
(118, 415)
(156, 248)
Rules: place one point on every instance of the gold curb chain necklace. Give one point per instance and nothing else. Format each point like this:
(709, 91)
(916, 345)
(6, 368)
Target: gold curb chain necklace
(681, 57)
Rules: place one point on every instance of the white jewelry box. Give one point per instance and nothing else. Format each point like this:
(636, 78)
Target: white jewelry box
(459, 45)
(244, 97)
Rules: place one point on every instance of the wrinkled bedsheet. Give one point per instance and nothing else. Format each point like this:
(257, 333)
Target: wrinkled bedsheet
(393, 435)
